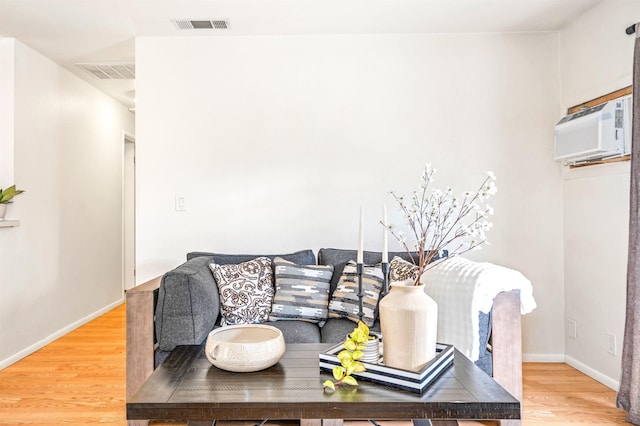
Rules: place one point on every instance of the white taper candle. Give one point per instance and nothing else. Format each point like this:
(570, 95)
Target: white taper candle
(385, 246)
(361, 238)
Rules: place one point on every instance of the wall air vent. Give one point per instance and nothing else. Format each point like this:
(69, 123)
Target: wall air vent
(202, 24)
(110, 71)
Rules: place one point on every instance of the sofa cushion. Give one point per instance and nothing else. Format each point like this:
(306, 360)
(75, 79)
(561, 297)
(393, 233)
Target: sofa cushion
(339, 258)
(485, 361)
(187, 306)
(302, 257)
(246, 291)
(298, 331)
(302, 291)
(345, 303)
(335, 330)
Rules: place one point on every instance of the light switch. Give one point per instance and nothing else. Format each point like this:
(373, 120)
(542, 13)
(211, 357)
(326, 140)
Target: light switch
(181, 205)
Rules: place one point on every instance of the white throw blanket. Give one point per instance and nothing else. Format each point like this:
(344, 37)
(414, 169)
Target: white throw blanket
(463, 288)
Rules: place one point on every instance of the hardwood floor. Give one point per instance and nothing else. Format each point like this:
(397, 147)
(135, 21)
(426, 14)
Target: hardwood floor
(80, 379)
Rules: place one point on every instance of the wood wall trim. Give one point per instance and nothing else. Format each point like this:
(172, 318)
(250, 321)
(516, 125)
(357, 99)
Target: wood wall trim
(597, 101)
(607, 161)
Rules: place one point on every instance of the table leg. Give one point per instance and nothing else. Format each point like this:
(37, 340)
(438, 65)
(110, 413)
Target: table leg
(427, 422)
(321, 422)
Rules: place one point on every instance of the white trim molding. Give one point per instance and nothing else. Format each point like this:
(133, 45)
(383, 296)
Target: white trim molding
(594, 374)
(42, 343)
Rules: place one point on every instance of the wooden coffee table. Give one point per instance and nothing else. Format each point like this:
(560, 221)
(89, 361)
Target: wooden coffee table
(187, 387)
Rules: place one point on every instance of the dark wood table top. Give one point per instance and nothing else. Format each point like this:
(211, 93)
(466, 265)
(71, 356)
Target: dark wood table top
(187, 387)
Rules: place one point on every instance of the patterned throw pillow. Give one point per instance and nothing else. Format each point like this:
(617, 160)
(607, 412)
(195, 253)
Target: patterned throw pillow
(344, 302)
(302, 292)
(401, 270)
(246, 291)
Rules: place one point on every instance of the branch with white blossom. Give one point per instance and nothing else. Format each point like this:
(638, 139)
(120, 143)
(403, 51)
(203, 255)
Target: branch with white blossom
(440, 221)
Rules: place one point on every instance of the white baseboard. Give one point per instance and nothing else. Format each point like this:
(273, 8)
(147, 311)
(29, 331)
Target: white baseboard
(594, 374)
(543, 358)
(38, 345)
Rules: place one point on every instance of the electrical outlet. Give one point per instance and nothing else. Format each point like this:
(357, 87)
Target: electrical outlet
(611, 344)
(181, 205)
(572, 328)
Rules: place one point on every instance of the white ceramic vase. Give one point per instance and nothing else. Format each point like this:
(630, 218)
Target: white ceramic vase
(3, 210)
(409, 322)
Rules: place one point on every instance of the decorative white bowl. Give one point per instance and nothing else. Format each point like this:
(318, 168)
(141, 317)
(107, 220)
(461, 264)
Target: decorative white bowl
(244, 348)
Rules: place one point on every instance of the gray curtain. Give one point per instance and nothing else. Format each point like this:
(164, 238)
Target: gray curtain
(629, 395)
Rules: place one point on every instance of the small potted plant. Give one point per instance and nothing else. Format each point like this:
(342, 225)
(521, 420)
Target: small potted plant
(6, 195)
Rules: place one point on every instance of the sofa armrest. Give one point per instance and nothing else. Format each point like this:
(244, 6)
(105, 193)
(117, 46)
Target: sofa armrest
(506, 341)
(188, 305)
(140, 345)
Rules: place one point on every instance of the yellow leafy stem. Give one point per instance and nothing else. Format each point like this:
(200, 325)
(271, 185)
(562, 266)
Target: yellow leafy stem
(349, 358)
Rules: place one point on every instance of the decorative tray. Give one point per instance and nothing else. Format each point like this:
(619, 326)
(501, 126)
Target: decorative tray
(413, 381)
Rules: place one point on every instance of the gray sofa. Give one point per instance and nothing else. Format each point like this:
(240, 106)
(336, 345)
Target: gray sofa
(182, 306)
(188, 303)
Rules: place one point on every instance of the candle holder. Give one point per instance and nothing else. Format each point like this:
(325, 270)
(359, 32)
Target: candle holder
(385, 278)
(360, 271)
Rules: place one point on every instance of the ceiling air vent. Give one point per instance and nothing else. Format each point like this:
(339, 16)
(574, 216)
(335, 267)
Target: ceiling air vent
(200, 24)
(110, 71)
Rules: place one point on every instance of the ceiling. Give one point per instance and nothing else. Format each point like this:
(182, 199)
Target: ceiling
(103, 31)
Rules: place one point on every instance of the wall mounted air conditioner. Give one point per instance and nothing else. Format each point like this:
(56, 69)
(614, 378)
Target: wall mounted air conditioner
(593, 133)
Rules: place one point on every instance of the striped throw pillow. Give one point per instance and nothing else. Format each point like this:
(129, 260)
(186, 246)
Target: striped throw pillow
(344, 301)
(302, 291)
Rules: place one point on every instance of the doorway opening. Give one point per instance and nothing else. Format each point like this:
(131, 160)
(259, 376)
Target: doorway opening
(129, 212)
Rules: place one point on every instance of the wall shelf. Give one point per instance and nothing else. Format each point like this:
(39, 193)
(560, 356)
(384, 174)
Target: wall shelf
(9, 223)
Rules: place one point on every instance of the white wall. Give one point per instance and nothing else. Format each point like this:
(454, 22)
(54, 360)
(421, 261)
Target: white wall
(275, 142)
(596, 55)
(6, 113)
(63, 264)
(596, 59)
